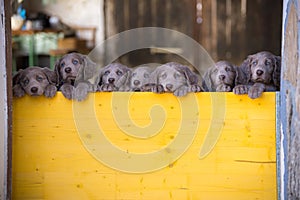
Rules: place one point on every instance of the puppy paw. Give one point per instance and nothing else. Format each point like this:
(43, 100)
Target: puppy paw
(81, 91)
(223, 88)
(50, 91)
(195, 88)
(180, 92)
(148, 87)
(108, 88)
(240, 89)
(18, 91)
(158, 89)
(255, 91)
(67, 90)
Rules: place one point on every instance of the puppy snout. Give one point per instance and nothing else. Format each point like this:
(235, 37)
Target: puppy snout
(136, 82)
(34, 89)
(169, 86)
(68, 70)
(259, 72)
(111, 80)
(222, 77)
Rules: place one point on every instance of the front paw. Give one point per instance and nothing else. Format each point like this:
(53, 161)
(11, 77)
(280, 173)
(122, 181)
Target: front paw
(255, 92)
(50, 91)
(67, 90)
(108, 88)
(182, 91)
(158, 89)
(241, 89)
(149, 87)
(223, 88)
(195, 88)
(18, 91)
(81, 91)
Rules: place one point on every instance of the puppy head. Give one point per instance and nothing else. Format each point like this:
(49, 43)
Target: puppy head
(173, 75)
(139, 77)
(67, 67)
(34, 80)
(115, 74)
(263, 67)
(222, 72)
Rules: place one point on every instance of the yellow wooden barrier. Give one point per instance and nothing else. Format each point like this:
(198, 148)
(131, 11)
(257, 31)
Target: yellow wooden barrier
(59, 149)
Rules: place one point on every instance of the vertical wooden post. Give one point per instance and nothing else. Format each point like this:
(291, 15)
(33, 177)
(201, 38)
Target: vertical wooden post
(5, 100)
(290, 102)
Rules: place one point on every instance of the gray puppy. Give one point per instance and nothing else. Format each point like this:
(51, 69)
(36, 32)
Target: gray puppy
(220, 77)
(141, 75)
(258, 73)
(115, 77)
(174, 77)
(35, 81)
(77, 75)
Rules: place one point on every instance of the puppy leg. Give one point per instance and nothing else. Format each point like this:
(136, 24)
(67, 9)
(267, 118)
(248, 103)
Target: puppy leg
(256, 90)
(152, 87)
(223, 88)
(81, 91)
(50, 91)
(108, 88)
(181, 91)
(67, 90)
(241, 89)
(18, 91)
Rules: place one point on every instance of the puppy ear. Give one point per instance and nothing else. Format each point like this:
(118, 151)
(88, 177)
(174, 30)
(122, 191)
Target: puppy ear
(154, 75)
(57, 71)
(209, 75)
(17, 77)
(18, 91)
(277, 71)
(190, 76)
(51, 75)
(244, 71)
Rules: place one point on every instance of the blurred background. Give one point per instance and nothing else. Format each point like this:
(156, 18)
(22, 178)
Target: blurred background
(44, 30)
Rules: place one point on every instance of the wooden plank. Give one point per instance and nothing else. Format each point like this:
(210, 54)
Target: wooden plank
(51, 161)
(5, 100)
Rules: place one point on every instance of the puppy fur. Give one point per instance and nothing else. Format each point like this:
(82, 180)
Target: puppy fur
(220, 77)
(35, 81)
(258, 73)
(77, 75)
(174, 77)
(141, 75)
(115, 77)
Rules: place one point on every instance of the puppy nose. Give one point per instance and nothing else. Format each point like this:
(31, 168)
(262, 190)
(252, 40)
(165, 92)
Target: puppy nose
(111, 80)
(169, 86)
(259, 72)
(34, 89)
(68, 70)
(136, 82)
(222, 77)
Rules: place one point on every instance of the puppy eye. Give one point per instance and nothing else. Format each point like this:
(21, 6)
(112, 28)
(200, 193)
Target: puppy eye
(39, 78)
(25, 82)
(267, 62)
(134, 74)
(119, 73)
(254, 63)
(227, 69)
(75, 62)
(62, 64)
(163, 76)
(146, 76)
(106, 72)
(177, 75)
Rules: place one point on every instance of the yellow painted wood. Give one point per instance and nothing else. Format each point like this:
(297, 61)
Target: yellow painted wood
(50, 160)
